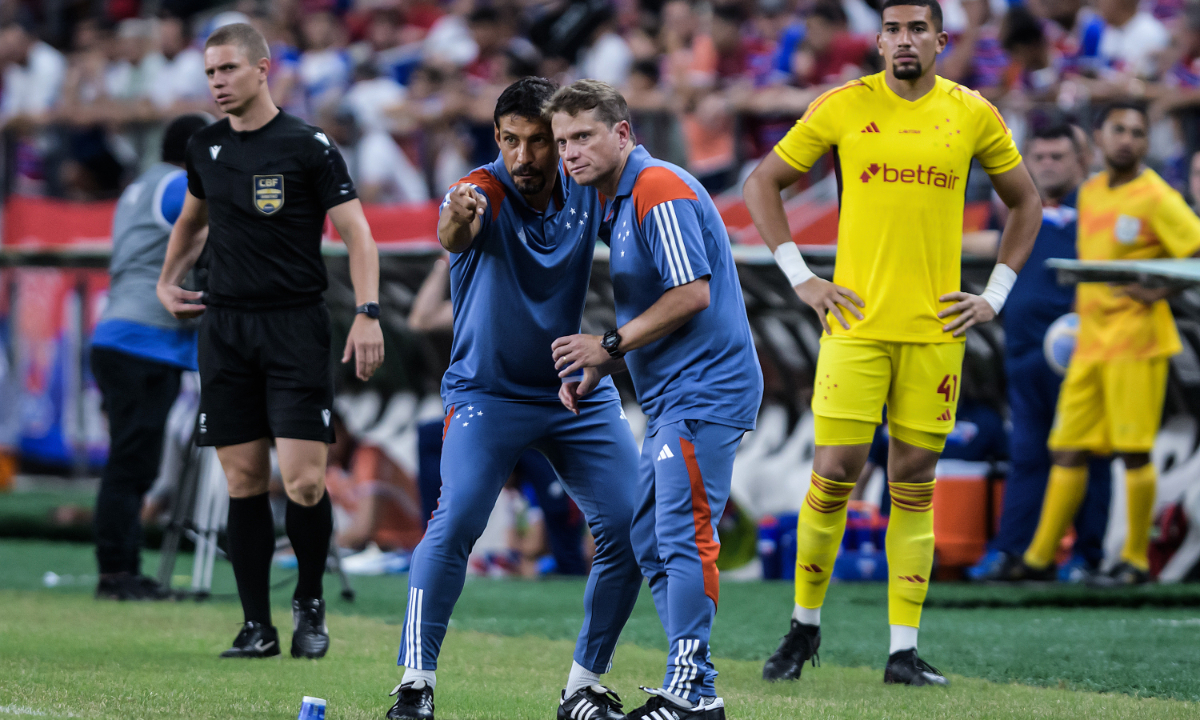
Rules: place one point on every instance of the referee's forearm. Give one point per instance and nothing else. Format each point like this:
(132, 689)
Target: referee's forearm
(183, 250)
(364, 266)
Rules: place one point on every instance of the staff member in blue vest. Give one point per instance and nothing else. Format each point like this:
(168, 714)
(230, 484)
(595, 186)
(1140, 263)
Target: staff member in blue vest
(1057, 161)
(139, 351)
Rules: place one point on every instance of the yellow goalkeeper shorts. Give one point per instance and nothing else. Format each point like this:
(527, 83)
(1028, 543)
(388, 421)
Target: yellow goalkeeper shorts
(1110, 406)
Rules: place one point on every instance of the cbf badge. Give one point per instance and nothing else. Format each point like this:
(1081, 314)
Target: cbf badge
(268, 193)
(1127, 229)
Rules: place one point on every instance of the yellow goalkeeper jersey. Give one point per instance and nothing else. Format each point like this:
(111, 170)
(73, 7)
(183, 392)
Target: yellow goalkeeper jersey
(902, 175)
(1142, 219)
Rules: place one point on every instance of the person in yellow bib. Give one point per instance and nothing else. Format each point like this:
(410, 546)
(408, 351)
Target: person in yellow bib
(895, 316)
(1112, 397)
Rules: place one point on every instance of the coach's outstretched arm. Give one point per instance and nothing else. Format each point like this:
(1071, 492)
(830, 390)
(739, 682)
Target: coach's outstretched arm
(761, 193)
(461, 217)
(1015, 187)
(365, 341)
(188, 236)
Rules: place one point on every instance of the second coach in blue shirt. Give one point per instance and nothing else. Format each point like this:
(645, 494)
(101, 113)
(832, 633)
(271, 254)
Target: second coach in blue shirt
(684, 337)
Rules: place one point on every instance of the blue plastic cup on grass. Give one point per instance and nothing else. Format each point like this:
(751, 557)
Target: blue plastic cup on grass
(312, 708)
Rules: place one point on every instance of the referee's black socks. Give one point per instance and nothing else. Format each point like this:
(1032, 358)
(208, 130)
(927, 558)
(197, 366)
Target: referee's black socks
(251, 538)
(310, 529)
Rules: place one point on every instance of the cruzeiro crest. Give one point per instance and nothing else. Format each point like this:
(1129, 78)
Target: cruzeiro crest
(268, 193)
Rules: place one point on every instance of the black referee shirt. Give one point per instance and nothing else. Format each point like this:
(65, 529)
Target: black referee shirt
(268, 191)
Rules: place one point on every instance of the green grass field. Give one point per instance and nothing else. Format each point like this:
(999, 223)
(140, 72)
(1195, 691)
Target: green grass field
(1011, 653)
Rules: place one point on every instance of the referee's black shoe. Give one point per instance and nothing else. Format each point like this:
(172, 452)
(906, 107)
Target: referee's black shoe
(594, 702)
(415, 702)
(255, 640)
(797, 647)
(310, 637)
(905, 668)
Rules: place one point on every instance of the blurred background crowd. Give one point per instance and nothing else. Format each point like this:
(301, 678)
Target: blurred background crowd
(407, 87)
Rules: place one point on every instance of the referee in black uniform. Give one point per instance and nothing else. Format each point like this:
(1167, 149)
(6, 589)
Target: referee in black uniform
(261, 182)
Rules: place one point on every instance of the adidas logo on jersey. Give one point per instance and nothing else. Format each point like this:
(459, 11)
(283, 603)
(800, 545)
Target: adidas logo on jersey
(872, 128)
(944, 417)
(665, 453)
(214, 150)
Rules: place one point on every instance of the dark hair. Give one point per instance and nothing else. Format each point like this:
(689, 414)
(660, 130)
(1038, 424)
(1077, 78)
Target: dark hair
(524, 98)
(935, 9)
(1057, 131)
(830, 12)
(489, 15)
(648, 67)
(583, 95)
(244, 36)
(177, 134)
(1135, 105)
(1021, 28)
(730, 12)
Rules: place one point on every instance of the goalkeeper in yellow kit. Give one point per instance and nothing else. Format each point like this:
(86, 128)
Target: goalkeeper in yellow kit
(894, 316)
(1112, 397)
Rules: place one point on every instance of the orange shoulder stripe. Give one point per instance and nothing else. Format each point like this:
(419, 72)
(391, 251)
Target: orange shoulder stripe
(490, 185)
(825, 96)
(655, 186)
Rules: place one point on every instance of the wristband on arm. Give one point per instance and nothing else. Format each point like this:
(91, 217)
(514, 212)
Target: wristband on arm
(787, 257)
(999, 285)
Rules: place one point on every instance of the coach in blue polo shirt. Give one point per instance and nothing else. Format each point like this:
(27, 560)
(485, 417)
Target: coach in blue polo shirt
(1056, 161)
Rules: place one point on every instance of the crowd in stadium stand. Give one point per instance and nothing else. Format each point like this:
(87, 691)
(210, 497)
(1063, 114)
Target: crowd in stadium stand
(407, 87)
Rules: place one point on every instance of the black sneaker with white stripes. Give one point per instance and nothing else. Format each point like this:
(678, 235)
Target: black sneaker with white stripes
(664, 706)
(414, 701)
(255, 640)
(310, 637)
(594, 702)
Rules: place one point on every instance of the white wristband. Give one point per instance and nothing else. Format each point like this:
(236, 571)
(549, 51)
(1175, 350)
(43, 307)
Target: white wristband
(999, 285)
(787, 257)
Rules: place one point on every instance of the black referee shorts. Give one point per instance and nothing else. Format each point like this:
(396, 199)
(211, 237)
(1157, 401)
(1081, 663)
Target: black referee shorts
(265, 374)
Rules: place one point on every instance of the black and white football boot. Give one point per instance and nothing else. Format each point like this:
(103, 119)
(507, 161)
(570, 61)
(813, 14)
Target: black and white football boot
(797, 647)
(414, 702)
(594, 702)
(663, 705)
(310, 637)
(905, 668)
(255, 640)
(1124, 574)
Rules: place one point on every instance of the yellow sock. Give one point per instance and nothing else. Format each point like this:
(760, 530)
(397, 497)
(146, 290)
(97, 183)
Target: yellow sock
(909, 551)
(1064, 492)
(1140, 486)
(818, 535)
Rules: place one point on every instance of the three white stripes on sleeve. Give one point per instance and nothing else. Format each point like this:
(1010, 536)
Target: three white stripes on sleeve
(672, 237)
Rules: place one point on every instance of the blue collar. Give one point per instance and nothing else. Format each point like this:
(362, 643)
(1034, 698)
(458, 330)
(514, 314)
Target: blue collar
(633, 165)
(557, 200)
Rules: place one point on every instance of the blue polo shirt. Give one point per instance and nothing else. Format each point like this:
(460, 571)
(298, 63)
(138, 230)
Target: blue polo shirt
(664, 231)
(520, 286)
(1036, 299)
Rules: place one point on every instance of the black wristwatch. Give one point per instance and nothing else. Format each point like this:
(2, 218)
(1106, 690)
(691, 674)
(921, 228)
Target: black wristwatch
(612, 344)
(370, 309)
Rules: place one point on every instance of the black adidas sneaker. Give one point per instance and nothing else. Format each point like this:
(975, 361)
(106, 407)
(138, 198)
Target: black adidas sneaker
(662, 706)
(255, 640)
(797, 647)
(594, 702)
(905, 668)
(1020, 572)
(415, 702)
(310, 637)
